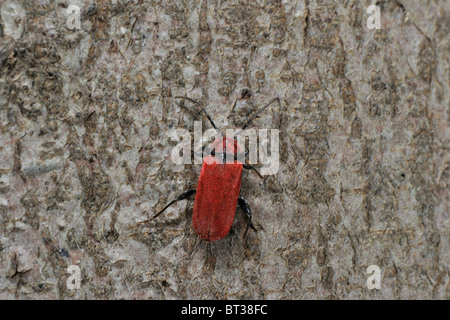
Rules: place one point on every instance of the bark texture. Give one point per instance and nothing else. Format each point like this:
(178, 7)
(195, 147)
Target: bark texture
(86, 117)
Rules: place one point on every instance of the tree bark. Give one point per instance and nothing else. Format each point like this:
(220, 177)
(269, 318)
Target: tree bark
(86, 122)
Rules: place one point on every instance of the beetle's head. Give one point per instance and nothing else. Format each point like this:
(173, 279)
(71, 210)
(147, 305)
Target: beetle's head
(226, 145)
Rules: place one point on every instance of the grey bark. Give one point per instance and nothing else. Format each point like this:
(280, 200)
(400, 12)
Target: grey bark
(86, 116)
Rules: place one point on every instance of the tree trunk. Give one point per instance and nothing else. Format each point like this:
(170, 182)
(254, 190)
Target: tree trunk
(87, 122)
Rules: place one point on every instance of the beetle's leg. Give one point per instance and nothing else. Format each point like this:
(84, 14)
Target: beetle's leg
(182, 196)
(249, 166)
(243, 204)
(246, 165)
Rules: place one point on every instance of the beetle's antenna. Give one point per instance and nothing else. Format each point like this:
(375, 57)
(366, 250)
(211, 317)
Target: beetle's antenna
(249, 121)
(204, 110)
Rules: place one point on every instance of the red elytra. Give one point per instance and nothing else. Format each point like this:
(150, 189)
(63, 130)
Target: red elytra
(217, 193)
(218, 188)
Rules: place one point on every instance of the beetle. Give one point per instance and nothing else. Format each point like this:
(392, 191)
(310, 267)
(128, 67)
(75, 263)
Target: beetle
(219, 186)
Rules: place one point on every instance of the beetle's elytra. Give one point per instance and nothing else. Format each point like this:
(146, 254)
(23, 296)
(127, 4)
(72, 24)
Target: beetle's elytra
(217, 195)
(218, 188)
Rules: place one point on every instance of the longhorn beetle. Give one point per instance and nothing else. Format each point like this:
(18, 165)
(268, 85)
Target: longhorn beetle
(219, 185)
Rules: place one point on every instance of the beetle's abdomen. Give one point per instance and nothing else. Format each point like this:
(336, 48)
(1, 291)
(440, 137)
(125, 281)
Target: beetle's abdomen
(216, 198)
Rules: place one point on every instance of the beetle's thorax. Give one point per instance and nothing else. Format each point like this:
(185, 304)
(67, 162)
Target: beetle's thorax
(226, 144)
(227, 150)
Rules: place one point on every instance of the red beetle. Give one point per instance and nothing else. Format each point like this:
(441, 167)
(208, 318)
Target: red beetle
(218, 188)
